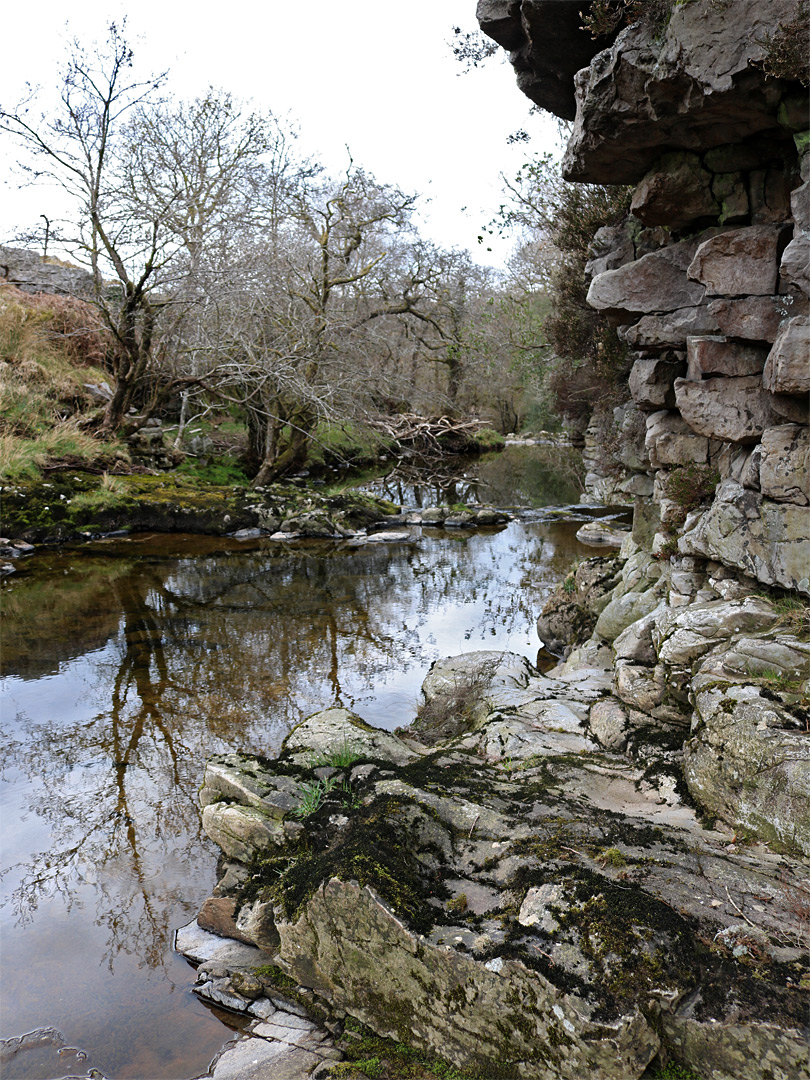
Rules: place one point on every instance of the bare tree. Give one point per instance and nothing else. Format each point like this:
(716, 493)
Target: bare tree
(300, 313)
(79, 148)
(157, 188)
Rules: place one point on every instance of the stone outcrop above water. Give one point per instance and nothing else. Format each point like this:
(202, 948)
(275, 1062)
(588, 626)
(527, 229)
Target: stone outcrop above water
(706, 280)
(77, 505)
(689, 86)
(515, 895)
(717, 322)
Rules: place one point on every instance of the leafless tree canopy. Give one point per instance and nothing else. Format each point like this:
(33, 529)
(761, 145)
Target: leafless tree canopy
(232, 271)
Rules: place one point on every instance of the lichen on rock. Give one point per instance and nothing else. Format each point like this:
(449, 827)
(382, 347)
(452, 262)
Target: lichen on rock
(590, 888)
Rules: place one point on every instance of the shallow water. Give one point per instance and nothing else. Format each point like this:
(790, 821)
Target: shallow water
(125, 665)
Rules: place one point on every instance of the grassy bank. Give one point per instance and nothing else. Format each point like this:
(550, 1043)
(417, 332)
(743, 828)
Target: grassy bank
(60, 481)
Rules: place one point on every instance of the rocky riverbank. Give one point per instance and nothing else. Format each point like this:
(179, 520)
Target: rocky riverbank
(527, 881)
(602, 870)
(75, 506)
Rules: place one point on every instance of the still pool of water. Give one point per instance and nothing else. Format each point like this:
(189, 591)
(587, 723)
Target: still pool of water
(125, 665)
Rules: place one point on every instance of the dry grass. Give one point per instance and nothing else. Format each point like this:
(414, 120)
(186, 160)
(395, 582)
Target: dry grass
(73, 327)
(24, 458)
(45, 360)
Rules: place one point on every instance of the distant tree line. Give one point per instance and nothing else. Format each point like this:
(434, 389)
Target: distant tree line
(231, 271)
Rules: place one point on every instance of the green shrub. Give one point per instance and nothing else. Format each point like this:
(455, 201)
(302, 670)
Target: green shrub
(691, 485)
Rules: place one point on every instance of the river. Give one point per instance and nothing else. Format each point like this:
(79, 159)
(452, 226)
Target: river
(126, 663)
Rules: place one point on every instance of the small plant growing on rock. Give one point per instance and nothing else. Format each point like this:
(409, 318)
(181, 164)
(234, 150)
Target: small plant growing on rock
(458, 904)
(668, 548)
(606, 17)
(673, 1071)
(339, 758)
(612, 857)
(794, 615)
(691, 485)
(315, 792)
(453, 709)
(313, 795)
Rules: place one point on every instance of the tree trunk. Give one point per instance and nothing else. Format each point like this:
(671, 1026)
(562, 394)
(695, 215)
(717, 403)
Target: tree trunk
(293, 457)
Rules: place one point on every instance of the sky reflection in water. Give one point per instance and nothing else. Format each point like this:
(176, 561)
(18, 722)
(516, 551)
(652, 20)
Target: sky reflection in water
(126, 665)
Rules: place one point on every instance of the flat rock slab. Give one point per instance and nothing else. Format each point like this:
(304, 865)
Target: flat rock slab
(392, 536)
(255, 1058)
(200, 945)
(599, 534)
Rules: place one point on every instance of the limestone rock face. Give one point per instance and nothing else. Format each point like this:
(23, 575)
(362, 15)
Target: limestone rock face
(632, 451)
(784, 468)
(338, 730)
(686, 635)
(712, 355)
(672, 329)
(651, 382)
(671, 441)
(787, 370)
(740, 262)
(739, 735)
(795, 265)
(653, 283)
(735, 409)
(523, 29)
(464, 1014)
(702, 62)
(570, 612)
(767, 540)
(679, 191)
(623, 610)
(756, 318)
(31, 273)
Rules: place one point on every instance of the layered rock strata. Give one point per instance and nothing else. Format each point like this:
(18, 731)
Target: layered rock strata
(502, 889)
(707, 279)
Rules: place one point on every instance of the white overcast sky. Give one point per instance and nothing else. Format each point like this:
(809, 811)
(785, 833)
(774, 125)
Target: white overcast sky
(377, 77)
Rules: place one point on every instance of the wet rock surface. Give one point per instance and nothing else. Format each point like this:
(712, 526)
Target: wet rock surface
(279, 1039)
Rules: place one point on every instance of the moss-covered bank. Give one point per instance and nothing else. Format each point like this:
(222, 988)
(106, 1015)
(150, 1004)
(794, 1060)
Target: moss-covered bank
(75, 505)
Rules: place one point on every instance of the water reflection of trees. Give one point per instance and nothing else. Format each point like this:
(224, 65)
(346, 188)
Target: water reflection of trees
(225, 652)
(532, 476)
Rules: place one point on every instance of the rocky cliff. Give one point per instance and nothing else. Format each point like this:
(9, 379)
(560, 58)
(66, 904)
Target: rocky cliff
(714, 436)
(601, 871)
(716, 317)
(34, 273)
